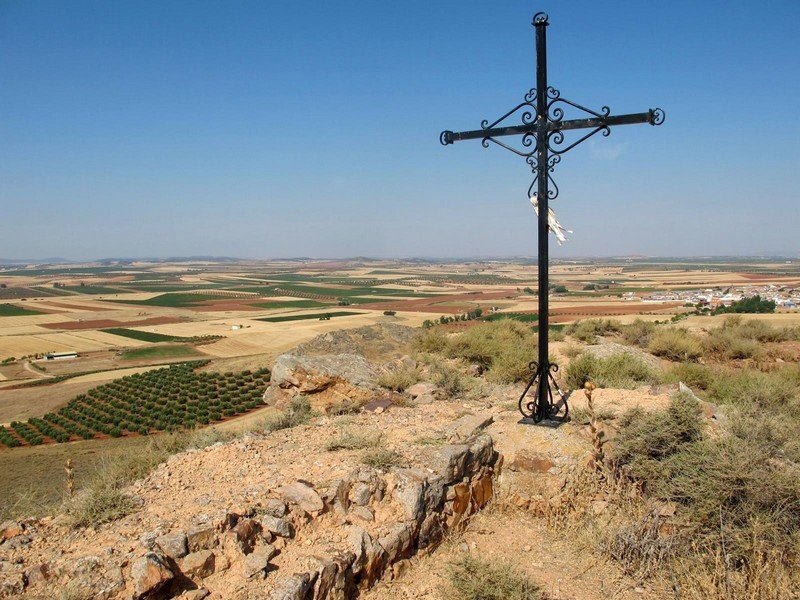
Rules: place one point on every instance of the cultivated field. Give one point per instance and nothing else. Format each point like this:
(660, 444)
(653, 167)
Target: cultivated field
(126, 319)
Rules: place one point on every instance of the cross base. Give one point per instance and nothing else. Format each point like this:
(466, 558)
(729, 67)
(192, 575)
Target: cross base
(540, 387)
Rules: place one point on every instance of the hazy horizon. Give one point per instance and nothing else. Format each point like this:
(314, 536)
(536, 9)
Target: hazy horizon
(270, 129)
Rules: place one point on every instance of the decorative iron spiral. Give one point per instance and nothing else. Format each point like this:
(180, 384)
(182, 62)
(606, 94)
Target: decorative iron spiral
(657, 116)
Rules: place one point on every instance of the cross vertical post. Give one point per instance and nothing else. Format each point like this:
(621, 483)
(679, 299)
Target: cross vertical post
(542, 126)
(543, 260)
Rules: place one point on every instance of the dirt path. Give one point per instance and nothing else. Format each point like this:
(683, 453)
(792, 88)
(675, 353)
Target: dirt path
(29, 367)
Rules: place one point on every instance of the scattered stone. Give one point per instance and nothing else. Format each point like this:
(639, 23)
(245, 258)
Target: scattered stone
(362, 512)
(10, 529)
(37, 573)
(277, 526)
(295, 587)
(467, 426)
(150, 574)
(198, 564)
(360, 494)
(421, 389)
(173, 545)
(379, 404)
(275, 507)
(245, 534)
(197, 594)
(202, 537)
(303, 495)
(257, 561)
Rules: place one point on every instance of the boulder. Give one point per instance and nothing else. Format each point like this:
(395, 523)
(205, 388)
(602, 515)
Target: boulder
(201, 537)
(449, 462)
(257, 561)
(275, 507)
(295, 587)
(409, 491)
(198, 564)
(173, 545)
(302, 495)
(312, 374)
(150, 574)
(277, 526)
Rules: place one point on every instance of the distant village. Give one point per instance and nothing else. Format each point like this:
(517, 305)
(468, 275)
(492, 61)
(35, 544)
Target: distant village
(784, 297)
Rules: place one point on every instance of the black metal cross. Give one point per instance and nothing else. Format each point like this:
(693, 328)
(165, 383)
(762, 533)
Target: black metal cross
(542, 129)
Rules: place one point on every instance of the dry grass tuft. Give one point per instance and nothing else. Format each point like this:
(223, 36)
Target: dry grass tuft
(675, 344)
(348, 439)
(382, 458)
(297, 413)
(471, 578)
(617, 371)
(400, 379)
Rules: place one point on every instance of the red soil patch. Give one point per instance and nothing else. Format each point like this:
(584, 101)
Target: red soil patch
(105, 323)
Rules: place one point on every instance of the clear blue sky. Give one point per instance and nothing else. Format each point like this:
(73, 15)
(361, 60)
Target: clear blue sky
(265, 129)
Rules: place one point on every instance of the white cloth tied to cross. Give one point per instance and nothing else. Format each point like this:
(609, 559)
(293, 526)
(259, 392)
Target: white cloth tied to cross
(552, 223)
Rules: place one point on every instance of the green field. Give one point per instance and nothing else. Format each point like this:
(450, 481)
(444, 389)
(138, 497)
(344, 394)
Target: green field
(524, 317)
(174, 300)
(145, 336)
(341, 313)
(159, 352)
(290, 304)
(169, 399)
(13, 310)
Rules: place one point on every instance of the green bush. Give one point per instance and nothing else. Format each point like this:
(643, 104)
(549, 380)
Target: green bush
(587, 330)
(696, 376)
(623, 370)
(638, 333)
(432, 340)
(675, 344)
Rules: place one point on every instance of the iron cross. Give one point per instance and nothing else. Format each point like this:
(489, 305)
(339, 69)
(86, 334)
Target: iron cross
(542, 126)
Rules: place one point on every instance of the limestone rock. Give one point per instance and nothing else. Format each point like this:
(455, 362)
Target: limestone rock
(467, 426)
(257, 561)
(173, 545)
(311, 374)
(303, 496)
(150, 574)
(274, 507)
(421, 389)
(198, 564)
(295, 587)
(277, 526)
(448, 462)
(202, 537)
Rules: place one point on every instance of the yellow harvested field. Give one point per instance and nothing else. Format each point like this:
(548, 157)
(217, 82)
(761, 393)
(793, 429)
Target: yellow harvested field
(83, 341)
(787, 319)
(7, 322)
(115, 374)
(266, 337)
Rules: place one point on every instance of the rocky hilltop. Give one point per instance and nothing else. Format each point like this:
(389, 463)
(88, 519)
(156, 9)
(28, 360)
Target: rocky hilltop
(369, 494)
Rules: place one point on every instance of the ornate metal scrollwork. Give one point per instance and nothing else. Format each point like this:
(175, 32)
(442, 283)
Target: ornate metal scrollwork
(555, 138)
(540, 18)
(529, 116)
(657, 116)
(530, 409)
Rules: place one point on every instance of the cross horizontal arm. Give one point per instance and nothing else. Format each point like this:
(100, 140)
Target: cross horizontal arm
(652, 116)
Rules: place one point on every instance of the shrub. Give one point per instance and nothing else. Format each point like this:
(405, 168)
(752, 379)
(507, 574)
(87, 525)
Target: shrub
(638, 333)
(728, 343)
(471, 578)
(587, 330)
(450, 381)
(754, 390)
(572, 350)
(675, 344)
(432, 340)
(696, 376)
(623, 370)
(647, 437)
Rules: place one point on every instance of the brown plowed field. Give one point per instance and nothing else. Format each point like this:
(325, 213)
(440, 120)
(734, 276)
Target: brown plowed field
(105, 323)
